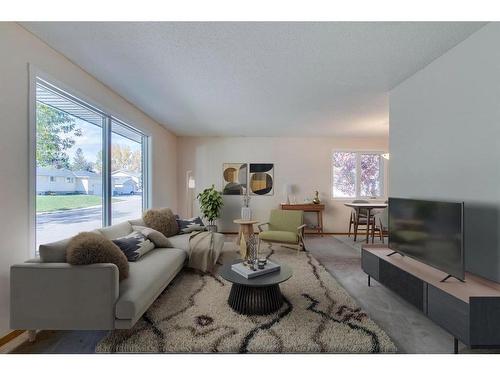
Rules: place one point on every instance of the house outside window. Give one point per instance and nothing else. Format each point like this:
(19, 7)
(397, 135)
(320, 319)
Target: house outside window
(79, 153)
(358, 174)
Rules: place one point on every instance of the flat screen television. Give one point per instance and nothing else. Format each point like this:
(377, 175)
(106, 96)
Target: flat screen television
(429, 231)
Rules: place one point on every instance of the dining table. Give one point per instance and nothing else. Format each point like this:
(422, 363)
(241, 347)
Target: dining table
(369, 206)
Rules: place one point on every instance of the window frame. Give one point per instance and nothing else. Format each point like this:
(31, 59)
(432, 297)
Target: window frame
(382, 177)
(35, 75)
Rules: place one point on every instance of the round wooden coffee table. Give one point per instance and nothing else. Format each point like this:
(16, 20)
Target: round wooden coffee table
(258, 296)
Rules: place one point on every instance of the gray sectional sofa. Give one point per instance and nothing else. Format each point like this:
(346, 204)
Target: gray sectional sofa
(48, 293)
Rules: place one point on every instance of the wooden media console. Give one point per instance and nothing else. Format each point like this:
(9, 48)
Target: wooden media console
(469, 311)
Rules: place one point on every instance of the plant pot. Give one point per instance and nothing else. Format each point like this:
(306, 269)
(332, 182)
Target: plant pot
(212, 227)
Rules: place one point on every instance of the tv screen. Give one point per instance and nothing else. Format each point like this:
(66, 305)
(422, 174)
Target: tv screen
(428, 231)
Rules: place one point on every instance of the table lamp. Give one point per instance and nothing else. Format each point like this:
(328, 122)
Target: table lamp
(287, 188)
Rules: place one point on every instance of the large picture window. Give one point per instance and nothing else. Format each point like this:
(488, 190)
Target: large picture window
(358, 175)
(89, 166)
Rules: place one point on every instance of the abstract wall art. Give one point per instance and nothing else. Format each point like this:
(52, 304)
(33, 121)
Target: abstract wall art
(234, 178)
(261, 179)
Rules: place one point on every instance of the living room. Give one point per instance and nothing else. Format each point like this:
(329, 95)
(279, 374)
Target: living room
(250, 187)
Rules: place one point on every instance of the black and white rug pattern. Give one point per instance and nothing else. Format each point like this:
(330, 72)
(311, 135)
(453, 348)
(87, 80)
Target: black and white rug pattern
(192, 315)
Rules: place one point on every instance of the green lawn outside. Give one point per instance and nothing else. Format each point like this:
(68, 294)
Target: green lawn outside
(48, 203)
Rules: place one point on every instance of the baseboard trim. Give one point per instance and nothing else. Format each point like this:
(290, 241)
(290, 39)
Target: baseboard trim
(10, 336)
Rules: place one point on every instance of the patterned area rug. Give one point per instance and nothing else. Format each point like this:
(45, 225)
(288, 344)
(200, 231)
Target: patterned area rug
(192, 315)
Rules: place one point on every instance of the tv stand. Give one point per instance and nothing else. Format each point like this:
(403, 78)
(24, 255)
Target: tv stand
(469, 311)
(447, 277)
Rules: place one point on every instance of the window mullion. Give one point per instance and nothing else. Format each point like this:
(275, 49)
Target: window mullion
(106, 169)
(145, 173)
(358, 175)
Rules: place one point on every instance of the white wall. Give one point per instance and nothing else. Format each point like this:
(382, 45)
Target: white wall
(445, 140)
(303, 162)
(18, 48)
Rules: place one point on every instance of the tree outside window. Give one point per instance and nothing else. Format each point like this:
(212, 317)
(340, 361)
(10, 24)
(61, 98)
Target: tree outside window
(357, 175)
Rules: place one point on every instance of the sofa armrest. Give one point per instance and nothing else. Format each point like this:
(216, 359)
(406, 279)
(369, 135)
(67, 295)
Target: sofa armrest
(62, 296)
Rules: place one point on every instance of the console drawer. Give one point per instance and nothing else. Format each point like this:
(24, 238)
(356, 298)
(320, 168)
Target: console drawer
(449, 312)
(401, 282)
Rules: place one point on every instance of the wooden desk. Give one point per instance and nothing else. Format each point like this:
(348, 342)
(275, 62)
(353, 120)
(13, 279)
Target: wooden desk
(369, 207)
(309, 207)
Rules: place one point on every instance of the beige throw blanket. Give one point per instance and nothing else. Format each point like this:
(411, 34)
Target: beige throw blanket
(202, 252)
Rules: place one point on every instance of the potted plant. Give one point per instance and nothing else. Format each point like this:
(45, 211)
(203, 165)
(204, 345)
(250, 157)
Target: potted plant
(210, 206)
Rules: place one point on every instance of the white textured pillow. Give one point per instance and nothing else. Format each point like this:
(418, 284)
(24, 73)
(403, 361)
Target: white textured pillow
(158, 238)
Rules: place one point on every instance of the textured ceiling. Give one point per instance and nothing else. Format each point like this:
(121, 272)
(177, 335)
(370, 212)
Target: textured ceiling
(256, 79)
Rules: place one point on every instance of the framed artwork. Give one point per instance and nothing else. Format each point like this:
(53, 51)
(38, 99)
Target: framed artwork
(234, 177)
(261, 179)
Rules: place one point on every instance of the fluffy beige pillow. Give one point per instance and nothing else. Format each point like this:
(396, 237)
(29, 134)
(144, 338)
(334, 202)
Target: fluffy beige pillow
(162, 220)
(90, 248)
(156, 237)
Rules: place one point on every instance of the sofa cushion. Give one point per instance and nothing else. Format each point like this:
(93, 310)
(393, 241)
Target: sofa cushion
(181, 241)
(90, 248)
(116, 231)
(138, 222)
(54, 252)
(279, 236)
(147, 278)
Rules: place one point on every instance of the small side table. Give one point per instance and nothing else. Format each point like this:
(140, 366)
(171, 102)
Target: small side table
(246, 228)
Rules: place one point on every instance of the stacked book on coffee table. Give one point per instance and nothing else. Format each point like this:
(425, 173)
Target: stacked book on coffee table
(244, 270)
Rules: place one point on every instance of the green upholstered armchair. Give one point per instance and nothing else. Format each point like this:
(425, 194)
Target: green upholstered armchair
(285, 227)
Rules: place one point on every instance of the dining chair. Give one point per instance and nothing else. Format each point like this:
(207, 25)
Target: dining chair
(381, 224)
(359, 216)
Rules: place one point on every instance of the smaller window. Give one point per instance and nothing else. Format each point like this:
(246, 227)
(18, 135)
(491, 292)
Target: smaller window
(52, 179)
(358, 174)
(70, 180)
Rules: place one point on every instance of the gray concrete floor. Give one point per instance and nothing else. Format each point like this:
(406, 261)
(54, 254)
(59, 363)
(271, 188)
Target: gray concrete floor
(410, 330)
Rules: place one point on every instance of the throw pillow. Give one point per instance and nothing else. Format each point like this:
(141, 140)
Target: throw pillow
(134, 245)
(162, 220)
(156, 237)
(90, 248)
(189, 225)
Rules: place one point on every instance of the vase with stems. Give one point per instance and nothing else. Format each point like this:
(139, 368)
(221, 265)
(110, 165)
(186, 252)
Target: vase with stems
(246, 212)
